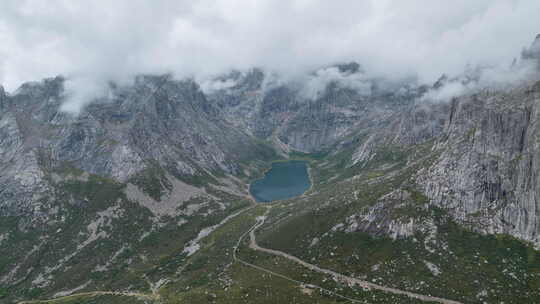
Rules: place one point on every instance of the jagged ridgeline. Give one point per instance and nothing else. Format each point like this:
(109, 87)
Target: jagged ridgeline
(143, 196)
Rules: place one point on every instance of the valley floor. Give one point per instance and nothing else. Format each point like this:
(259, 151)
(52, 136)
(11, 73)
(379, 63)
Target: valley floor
(335, 287)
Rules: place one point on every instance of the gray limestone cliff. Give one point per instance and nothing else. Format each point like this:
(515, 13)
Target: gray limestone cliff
(156, 121)
(487, 173)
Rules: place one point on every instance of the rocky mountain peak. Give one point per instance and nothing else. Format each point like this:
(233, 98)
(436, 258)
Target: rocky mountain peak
(533, 51)
(350, 67)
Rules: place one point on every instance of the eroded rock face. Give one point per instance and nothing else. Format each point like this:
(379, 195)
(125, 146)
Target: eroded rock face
(487, 174)
(156, 120)
(293, 119)
(21, 178)
(387, 217)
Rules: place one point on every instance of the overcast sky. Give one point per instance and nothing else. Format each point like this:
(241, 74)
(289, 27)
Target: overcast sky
(102, 40)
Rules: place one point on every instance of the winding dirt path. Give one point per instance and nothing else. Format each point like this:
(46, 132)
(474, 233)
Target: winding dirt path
(253, 245)
(349, 280)
(95, 293)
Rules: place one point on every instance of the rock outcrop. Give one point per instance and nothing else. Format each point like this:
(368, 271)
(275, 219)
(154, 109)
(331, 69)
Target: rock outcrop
(156, 121)
(487, 174)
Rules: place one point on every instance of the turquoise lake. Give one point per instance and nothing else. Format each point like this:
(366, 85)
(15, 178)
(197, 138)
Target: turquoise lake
(284, 180)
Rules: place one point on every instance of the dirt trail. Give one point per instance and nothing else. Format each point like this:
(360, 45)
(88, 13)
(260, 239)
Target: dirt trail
(349, 280)
(95, 293)
(253, 245)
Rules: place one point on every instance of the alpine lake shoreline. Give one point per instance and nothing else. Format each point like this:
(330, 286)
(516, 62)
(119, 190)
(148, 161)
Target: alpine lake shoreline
(285, 179)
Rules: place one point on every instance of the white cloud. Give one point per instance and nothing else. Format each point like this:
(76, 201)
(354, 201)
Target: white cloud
(93, 42)
(447, 91)
(209, 86)
(315, 84)
(80, 91)
(494, 77)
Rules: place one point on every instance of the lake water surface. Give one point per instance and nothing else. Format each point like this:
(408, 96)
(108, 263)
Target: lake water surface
(284, 180)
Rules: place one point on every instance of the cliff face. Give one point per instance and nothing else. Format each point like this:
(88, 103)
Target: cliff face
(314, 115)
(156, 121)
(487, 173)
